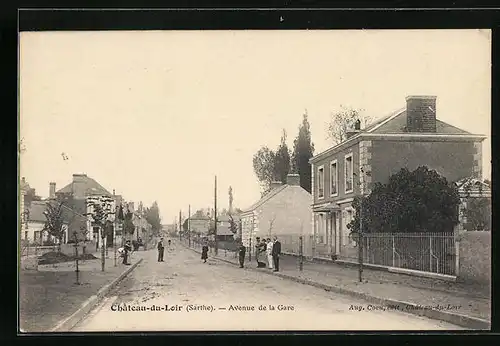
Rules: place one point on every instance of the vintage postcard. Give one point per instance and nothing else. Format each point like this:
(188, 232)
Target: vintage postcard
(333, 180)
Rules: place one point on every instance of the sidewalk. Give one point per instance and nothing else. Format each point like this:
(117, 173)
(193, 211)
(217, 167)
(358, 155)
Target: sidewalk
(457, 302)
(50, 294)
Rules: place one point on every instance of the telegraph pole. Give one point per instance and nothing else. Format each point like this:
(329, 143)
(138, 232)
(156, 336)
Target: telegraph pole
(189, 225)
(180, 226)
(114, 225)
(215, 217)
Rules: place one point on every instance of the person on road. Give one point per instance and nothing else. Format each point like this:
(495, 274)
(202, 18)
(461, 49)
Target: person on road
(276, 252)
(241, 252)
(262, 251)
(257, 250)
(127, 248)
(269, 252)
(161, 250)
(204, 252)
(169, 242)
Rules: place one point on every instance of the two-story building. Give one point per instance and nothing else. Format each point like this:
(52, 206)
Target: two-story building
(79, 193)
(407, 138)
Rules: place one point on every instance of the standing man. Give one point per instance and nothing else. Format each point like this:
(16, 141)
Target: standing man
(257, 250)
(241, 252)
(276, 252)
(269, 252)
(161, 250)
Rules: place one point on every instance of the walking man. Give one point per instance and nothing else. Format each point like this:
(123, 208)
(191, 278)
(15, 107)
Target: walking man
(276, 252)
(241, 252)
(269, 252)
(161, 250)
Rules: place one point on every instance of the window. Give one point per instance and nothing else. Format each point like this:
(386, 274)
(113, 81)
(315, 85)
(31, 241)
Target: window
(321, 182)
(333, 178)
(348, 173)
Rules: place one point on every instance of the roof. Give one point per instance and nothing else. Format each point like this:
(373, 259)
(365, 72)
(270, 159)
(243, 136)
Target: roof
(225, 218)
(394, 123)
(266, 198)
(88, 188)
(224, 231)
(37, 209)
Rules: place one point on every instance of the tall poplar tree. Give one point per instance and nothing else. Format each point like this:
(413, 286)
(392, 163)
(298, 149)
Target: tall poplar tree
(303, 150)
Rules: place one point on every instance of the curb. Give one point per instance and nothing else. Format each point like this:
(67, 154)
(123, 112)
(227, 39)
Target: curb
(411, 308)
(70, 322)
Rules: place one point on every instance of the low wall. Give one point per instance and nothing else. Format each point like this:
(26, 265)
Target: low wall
(475, 257)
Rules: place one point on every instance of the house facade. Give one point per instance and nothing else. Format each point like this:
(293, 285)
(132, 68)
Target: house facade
(408, 138)
(34, 232)
(79, 193)
(284, 212)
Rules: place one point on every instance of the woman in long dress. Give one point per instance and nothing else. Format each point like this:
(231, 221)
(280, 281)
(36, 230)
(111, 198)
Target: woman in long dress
(204, 252)
(270, 253)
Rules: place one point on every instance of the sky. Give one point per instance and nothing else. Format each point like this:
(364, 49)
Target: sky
(155, 115)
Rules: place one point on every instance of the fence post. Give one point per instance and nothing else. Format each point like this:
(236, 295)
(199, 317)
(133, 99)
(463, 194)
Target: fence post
(393, 252)
(301, 253)
(430, 253)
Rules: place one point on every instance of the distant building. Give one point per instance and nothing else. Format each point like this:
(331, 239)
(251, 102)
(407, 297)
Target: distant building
(408, 138)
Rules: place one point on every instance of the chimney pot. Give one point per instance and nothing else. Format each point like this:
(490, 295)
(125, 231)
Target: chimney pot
(421, 113)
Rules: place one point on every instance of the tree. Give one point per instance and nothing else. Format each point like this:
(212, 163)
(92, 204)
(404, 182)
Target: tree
(233, 225)
(282, 160)
(478, 209)
(303, 150)
(263, 166)
(128, 223)
(343, 121)
(478, 214)
(416, 201)
(54, 225)
(153, 218)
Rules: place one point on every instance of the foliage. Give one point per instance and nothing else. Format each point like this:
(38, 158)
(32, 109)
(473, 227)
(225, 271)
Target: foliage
(152, 215)
(263, 166)
(478, 214)
(128, 222)
(477, 209)
(54, 219)
(303, 150)
(343, 121)
(282, 160)
(234, 225)
(416, 201)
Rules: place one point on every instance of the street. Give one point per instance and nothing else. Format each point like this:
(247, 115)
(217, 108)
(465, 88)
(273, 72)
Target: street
(184, 294)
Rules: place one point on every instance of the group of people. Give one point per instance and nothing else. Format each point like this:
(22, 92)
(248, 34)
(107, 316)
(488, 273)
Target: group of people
(270, 250)
(124, 252)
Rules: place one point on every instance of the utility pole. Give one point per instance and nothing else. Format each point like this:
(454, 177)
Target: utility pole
(215, 217)
(180, 226)
(360, 233)
(189, 225)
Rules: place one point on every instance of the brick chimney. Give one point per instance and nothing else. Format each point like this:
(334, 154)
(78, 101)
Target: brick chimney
(52, 190)
(421, 113)
(276, 184)
(293, 179)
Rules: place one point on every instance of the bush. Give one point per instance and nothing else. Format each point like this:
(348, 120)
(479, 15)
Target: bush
(417, 201)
